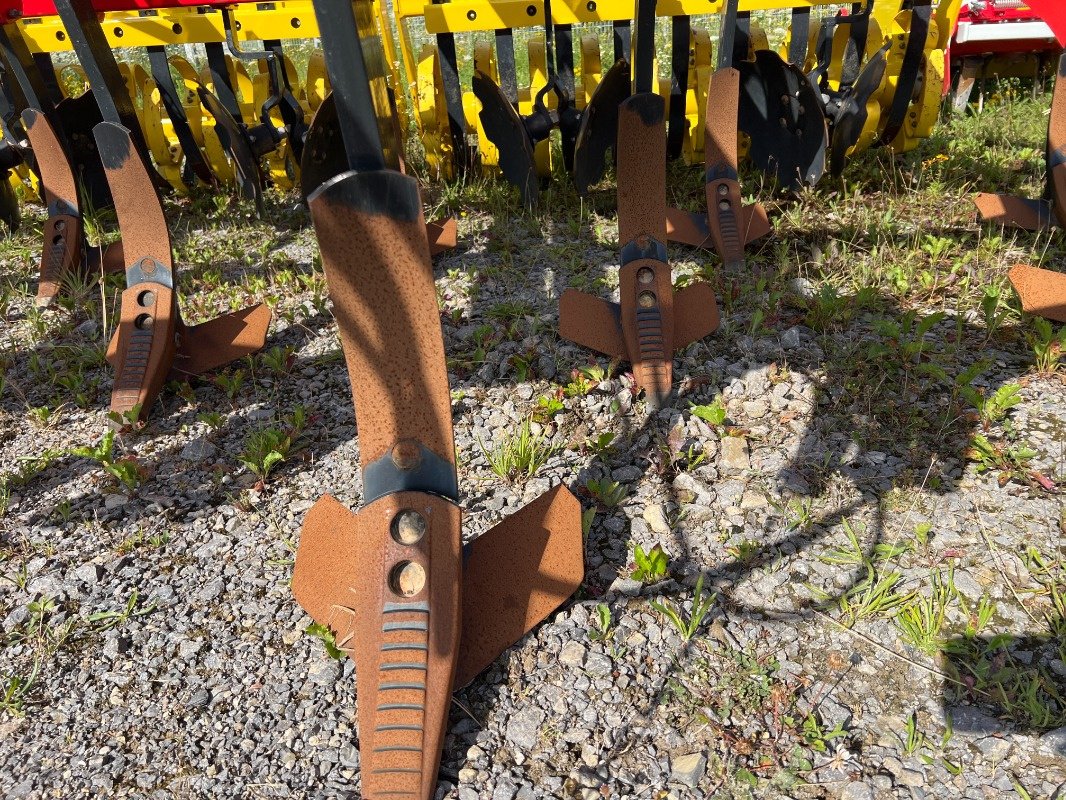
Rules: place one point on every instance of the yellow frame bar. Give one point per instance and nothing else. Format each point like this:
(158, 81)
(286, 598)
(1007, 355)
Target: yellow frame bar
(461, 16)
(285, 19)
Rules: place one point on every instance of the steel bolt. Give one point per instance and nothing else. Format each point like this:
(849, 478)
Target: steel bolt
(406, 455)
(408, 527)
(407, 578)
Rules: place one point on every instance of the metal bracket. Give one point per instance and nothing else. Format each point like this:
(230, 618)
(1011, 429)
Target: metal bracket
(410, 467)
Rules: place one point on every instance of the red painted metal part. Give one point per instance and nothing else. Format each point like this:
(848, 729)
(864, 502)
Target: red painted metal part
(14, 9)
(1053, 12)
(1005, 12)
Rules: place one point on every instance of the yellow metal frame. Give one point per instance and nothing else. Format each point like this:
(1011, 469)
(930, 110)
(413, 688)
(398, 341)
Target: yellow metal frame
(284, 19)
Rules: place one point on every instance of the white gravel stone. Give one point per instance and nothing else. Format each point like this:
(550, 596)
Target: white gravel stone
(688, 769)
(734, 457)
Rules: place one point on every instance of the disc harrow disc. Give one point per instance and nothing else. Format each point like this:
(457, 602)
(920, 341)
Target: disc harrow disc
(785, 118)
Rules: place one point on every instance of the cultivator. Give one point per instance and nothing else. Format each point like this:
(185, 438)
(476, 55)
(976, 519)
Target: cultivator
(841, 84)
(827, 88)
(419, 612)
(211, 126)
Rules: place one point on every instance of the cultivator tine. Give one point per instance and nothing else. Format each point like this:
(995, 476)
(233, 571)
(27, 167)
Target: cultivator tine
(1042, 292)
(152, 344)
(388, 579)
(505, 65)
(727, 225)
(910, 71)
(569, 124)
(324, 158)
(168, 92)
(442, 235)
(144, 345)
(730, 222)
(799, 33)
(62, 234)
(784, 116)
(234, 141)
(453, 98)
(622, 39)
(681, 34)
(641, 327)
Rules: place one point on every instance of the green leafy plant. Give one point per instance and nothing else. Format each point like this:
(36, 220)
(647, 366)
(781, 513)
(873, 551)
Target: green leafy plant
(105, 620)
(713, 413)
(588, 516)
(127, 470)
(264, 450)
(278, 359)
(325, 635)
(1011, 460)
(231, 383)
(602, 627)
(579, 385)
(651, 566)
(1047, 345)
(548, 405)
(817, 737)
(212, 419)
(601, 445)
(606, 492)
(990, 305)
(702, 603)
(993, 408)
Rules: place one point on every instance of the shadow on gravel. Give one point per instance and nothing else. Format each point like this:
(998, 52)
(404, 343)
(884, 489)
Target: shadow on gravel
(890, 419)
(1006, 678)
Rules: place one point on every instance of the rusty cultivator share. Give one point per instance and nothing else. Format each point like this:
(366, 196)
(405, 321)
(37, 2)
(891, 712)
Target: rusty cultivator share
(152, 343)
(419, 614)
(650, 320)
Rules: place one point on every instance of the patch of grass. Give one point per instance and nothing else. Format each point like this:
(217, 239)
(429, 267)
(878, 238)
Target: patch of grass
(921, 620)
(105, 620)
(519, 455)
(16, 690)
(687, 625)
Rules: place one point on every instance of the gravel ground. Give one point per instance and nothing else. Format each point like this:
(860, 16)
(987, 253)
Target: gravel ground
(201, 681)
